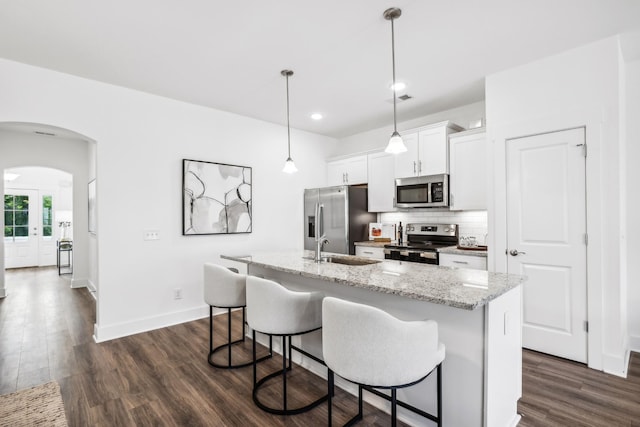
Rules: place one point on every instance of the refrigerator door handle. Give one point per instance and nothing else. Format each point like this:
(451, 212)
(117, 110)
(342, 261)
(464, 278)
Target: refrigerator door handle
(319, 221)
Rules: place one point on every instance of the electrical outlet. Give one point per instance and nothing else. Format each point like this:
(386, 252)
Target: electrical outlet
(177, 293)
(151, 235)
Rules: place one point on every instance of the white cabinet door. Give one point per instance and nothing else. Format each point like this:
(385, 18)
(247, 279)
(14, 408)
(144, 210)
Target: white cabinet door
(352, 170)
(335, 173)
(370, 252)
(427, 150)
(468, 169)
(433, 153)
(356, 170)
(406, 164)
(463, 261)
(381, 182)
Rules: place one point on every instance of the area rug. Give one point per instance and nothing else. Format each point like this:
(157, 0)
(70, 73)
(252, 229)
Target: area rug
(38, 406)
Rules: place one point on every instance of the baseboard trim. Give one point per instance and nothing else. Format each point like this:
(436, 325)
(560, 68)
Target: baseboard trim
(79, 283)
(92, 289)
(634, 343)
(123, 329)
(616, 365)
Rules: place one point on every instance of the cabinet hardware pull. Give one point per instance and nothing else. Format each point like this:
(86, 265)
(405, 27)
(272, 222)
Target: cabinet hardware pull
(461, 262)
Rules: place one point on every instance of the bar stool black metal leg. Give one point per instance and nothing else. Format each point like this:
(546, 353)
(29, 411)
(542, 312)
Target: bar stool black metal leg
(439, 397)
(330, 390)
(255, 377)
(284, 370)
(229, 336)
(244, 323)
(394, 414)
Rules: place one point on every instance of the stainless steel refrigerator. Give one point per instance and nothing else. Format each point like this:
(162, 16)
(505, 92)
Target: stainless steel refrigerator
(344, 214)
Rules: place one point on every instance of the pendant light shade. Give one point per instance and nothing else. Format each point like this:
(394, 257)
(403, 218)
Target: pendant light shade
(396, 145)
(289, 166)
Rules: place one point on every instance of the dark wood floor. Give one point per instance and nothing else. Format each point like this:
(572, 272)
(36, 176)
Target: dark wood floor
(162, 377)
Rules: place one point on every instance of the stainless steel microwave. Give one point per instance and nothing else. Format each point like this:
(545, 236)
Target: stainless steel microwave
(430, 191)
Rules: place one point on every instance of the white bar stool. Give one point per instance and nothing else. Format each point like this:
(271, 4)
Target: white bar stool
(226, 288)
(276, 311)
(375, 350)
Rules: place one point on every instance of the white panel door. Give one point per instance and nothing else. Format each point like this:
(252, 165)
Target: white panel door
(21, 228)
(546, 220)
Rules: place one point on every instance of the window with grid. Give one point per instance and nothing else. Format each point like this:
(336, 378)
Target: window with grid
(16, 217)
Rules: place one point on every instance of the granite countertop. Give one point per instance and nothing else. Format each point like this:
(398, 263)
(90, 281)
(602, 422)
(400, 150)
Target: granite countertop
(456, 251)
(372, 244)
(456, 287)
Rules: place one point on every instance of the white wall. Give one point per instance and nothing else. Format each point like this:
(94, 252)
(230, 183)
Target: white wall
(377, 139)
(633, 199)
(141, 140)
(576, 88)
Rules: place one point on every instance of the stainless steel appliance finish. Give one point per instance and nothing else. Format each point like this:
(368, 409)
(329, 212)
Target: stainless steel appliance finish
(431, 191)
(422, 243)
(345, 218)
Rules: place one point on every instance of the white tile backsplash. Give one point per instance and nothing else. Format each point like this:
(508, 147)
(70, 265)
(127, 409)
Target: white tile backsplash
(470, 223)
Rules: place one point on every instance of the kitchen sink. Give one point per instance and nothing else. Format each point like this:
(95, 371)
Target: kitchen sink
(349, 260)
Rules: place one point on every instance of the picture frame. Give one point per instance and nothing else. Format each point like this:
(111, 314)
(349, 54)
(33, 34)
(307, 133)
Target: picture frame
(216, 198)
(92, 206)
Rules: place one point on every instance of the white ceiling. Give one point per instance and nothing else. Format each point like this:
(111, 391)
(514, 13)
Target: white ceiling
(228, 55)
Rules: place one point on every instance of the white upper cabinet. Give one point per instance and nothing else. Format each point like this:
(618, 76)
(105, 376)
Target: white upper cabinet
(352, 170)
(427, 150)
(381, 182)
(468, 168)
(406, 164)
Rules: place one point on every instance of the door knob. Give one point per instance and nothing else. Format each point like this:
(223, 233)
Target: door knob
(514, 252)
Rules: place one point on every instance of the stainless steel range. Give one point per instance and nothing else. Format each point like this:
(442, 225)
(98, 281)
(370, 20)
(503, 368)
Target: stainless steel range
(423, 242)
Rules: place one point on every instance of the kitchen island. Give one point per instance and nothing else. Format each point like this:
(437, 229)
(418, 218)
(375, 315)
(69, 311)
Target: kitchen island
(478, 315)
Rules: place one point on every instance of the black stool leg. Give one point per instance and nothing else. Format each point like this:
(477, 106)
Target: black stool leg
(330, 389)
(229, 336)
(284, 370)
(254, 359)
(394, 414)
(439, 397)
(244, 324)
(210, 330)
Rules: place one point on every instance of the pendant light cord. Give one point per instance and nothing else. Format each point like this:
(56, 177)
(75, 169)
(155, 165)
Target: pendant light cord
(288, 127)
(393, 63)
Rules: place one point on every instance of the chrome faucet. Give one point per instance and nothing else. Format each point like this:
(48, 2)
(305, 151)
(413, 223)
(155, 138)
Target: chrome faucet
(320, 241)
(320, 236)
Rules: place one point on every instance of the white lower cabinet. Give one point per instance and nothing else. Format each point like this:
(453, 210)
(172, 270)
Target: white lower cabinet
(370, 252)
(463, 261)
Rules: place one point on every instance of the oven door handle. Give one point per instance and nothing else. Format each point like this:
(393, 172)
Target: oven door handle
(429, 255)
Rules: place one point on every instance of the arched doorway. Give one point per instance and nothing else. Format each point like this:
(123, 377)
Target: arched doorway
(41, 145)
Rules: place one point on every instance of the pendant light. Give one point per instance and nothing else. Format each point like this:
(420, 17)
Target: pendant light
(395, 145)
(289, 166)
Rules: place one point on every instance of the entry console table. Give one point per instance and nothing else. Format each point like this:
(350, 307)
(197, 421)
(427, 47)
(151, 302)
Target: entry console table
(65, 246)
(479, 322)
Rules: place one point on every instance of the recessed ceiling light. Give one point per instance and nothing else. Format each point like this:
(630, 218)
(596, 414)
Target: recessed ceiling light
(398, 86)
(316, 116)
